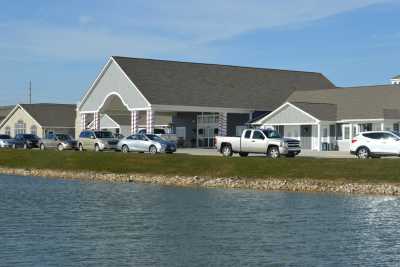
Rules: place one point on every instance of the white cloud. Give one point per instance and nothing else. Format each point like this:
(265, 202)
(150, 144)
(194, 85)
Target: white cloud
(163, 27)
(211, 20)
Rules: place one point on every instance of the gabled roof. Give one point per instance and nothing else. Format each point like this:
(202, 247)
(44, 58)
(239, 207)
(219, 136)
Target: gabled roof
(321, 111)
(365, 102)
(209, 85)
(52, 115)
(396, 77)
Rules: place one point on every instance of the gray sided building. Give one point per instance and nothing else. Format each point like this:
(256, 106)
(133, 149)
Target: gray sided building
(329, 119)
(39, 119)
(195, 101)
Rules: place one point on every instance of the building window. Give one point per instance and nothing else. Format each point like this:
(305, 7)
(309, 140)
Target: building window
(8, 130)
(34, 130)
(339, 132)
(325, 132)
(20, 127)
(346, 132)
(366, 127)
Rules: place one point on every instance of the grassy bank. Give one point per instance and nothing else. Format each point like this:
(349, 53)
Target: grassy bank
(375, 170)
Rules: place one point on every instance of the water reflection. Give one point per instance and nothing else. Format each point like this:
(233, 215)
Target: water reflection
(58, 222)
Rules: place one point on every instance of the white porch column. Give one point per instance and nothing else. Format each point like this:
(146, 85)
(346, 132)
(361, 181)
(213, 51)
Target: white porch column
(134, 126)
(319, 137)
(83, 121)
(149, 121)
(222, 124)
(96, 121)
(351, 131)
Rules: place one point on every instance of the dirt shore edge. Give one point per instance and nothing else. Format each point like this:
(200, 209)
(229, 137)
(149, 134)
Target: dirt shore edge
(265, 184)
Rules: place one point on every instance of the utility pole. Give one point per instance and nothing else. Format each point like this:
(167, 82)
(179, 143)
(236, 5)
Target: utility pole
(30, 93)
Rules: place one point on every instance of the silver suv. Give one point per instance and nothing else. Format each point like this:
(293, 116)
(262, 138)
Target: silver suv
(97, 141)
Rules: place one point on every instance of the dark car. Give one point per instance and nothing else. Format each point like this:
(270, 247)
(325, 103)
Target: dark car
(26, 141)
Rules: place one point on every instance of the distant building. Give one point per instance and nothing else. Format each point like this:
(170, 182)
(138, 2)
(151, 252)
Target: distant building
(329, 119)
(195, 101)
(395, 80)
(40, 119)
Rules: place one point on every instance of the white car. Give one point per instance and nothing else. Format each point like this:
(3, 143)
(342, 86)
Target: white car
(375, 144)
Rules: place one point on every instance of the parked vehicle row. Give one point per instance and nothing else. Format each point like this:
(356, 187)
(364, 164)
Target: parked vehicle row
(92, 141)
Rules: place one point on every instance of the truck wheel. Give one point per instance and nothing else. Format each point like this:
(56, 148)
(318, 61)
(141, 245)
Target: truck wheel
(273, 152)
(243, 154)
(227, 151)
(60, 147)
(96, 148)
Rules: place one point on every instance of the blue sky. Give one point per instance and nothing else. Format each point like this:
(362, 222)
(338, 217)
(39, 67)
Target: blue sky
(62, 45)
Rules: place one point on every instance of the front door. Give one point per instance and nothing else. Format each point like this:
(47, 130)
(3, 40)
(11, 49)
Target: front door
(305, 136)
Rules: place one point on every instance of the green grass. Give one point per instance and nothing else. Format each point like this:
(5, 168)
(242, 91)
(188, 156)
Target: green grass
(375, 170)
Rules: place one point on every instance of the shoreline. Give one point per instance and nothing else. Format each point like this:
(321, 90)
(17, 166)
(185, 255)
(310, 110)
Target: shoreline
(266, 184)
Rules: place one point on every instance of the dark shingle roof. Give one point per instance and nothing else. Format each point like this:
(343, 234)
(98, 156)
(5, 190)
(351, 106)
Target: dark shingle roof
(365, 102)
(52, 115)
(321, 111)
(195, 84)
(4, 111)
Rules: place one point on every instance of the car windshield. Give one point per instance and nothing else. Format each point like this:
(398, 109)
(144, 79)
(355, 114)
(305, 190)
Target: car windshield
(63, 137)
(30, 136)
(154, 137)
(103, 134)
(396, 133)
(4, 136)
(272, 134)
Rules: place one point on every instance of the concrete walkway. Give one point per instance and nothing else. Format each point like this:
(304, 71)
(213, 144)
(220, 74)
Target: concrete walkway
(304, 153)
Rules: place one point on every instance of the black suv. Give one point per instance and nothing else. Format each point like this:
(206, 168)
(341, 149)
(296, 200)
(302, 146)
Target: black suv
(26, 141)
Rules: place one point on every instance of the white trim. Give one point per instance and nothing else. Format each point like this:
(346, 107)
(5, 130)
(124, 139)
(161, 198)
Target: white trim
(12, 113)
(358, 120)
(126, 76)
(291, 123)
(199, 109)
(110, 94)
(262, 120)
(8, 115)
(62, 127)
(103, 70)
(132, 109)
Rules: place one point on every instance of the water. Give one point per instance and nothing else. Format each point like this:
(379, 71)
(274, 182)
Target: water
(46, 222)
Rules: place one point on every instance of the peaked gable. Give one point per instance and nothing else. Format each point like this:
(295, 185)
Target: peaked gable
(112, 81)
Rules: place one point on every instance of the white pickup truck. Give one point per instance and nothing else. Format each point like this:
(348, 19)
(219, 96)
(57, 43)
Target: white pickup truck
(261, 141)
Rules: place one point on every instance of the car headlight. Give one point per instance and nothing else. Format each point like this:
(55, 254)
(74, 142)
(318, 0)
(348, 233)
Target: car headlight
(284, 144)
